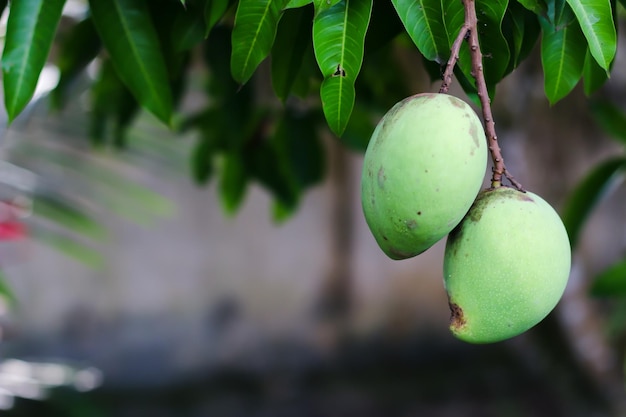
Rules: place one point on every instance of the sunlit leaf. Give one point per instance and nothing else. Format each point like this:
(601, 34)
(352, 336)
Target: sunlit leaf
(611, 282)
(595, 18)
(338, 41)
(256, 23)
(131, 40)
(29, 35)
(588, 193)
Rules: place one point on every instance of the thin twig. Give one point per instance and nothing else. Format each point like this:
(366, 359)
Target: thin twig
(499, 169)
(454, 57)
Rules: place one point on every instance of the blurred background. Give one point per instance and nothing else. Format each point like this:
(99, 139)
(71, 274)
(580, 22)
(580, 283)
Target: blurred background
(134, 292)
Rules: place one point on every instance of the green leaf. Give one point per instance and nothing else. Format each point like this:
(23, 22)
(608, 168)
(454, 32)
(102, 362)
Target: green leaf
(423, 22)
(610, 118)
(233, 182)
(493, 44)
(292, 4)
(202, 162)
(560, 14)
(562, 59)
(256, 23)
(30, 31)
(359, 130)
(78, 48)
(308, 77)
(337, 96)
(338, 41)
(321, 5)
(70, 247)
(131, 40)
(265, 166)
(298, 148)
(292, 41)
(588, 193)
(217, 54)
(214, 10)
(384, 27)
(595, 18)
(188, 29)
(381, 83)
(611, 282)
(522, 31)
(281, 212)
(536, 6)
(594, 76)
(176, 34)
(67, 215)
(112, 104)
(5, 290)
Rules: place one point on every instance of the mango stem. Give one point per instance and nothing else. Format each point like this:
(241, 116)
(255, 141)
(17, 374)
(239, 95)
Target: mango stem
(469, 32)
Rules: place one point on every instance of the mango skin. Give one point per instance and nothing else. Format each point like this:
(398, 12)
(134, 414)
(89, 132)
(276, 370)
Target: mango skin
(506, 265)
(423, 167)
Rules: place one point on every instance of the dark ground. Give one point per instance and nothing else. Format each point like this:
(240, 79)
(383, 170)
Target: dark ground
(364, 378)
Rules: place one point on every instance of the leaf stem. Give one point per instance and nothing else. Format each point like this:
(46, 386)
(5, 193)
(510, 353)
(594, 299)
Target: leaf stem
(469, 32)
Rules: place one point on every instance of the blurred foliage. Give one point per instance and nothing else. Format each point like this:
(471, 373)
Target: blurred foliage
(331, 64)
(333, 67)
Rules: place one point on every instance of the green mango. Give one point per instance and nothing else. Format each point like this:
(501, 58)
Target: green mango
(423, 167)
(506, 265)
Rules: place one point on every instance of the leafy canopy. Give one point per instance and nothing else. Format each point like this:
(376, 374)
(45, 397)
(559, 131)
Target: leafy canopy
(331, 62)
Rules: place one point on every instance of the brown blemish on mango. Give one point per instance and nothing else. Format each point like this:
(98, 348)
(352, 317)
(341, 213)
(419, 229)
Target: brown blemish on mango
(456, 102)
(457, 319)
(399, 254)
(474, 134)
